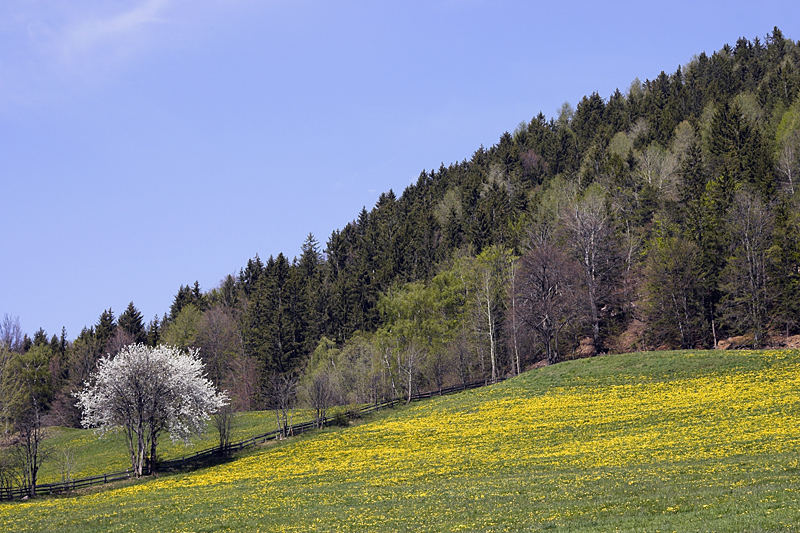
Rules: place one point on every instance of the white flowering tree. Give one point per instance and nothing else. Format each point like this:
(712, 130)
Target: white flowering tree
(146, 391)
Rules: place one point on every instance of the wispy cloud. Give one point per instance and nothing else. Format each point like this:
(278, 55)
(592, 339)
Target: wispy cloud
(84, 35)
(48, 49)
(109, 36)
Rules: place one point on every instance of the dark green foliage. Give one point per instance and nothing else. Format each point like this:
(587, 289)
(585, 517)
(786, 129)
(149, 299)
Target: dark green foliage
(153, 332)
(738, 150)
(271, 332)
(693, 179)
(784, 266)
(130, 321)
(40, 338)
(187, 295)
(285, 307)
(674, 308)
(103, 330)
(587, 123)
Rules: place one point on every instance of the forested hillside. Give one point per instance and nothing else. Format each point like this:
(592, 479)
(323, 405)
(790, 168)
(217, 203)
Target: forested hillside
(663, 216)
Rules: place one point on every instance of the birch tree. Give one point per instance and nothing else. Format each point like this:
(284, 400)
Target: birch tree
(747, 300)
(514, 324)
(788, 162)
(591, 237)
(491, 279)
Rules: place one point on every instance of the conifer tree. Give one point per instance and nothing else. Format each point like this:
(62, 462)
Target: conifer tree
(40, 338)
(153, 332)
(131, 322)
(103, 330)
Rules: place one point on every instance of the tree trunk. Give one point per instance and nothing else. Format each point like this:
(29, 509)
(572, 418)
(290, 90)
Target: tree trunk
(153, 443)
(491, 325)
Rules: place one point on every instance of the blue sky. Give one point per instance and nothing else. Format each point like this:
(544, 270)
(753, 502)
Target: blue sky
(145, 144)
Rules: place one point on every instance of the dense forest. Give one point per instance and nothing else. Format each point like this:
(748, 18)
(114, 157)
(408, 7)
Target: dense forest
(664, 216)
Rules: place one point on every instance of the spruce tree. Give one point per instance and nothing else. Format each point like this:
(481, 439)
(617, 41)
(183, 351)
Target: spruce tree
(40, 338)
(131, 322)
(103, 330)
(154, 332)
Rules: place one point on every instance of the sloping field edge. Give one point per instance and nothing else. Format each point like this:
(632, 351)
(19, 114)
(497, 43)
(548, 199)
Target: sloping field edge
(203, 457)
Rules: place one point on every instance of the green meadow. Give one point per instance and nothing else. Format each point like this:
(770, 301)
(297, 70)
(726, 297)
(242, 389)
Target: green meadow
(660, 441)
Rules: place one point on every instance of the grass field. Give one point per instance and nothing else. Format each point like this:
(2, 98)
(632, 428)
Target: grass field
(93, 454)
(667, 441)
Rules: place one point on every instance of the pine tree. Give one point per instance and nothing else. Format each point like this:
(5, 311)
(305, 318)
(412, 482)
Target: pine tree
(103, 330)
(183, 298)
(738, 150)
(249, 276)
(198, 299)
(310, 304)
(784, 267)
(131, 323)
(40, 338)
(693, 179)
(153, 332)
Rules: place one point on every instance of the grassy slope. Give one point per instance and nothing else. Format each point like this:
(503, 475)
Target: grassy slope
(94, 454)
(660, 441)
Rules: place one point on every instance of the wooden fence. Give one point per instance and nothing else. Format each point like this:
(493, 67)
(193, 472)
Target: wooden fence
(203, 457)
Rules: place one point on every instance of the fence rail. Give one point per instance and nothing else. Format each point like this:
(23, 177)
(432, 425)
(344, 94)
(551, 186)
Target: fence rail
(203, 456)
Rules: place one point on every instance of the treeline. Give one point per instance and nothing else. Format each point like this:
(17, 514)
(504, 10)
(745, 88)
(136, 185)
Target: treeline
(665, 216)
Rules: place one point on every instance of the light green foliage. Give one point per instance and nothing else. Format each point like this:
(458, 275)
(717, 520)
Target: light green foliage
(620, 144)
(559, 194)
(565, 114)
(27, 389)
(790, 123)
(491, 276)
(449, 206)
(182, 332)
(750, 108)
(412, 316)
(683, 138)
(355, 369)
(26, 385)
(639, 129)
(704, 124)
(323, 357)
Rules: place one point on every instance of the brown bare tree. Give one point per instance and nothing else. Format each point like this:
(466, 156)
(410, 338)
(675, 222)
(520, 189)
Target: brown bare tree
(242, 383)
(547, 295)
(281, 392)
(11, 337)
(322, 393)
(223, 420)
(219, 341)
(119, 339)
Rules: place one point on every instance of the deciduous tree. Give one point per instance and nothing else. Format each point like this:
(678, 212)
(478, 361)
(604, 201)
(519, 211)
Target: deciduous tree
(547, 295)
(146, 391)
(27, 389)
